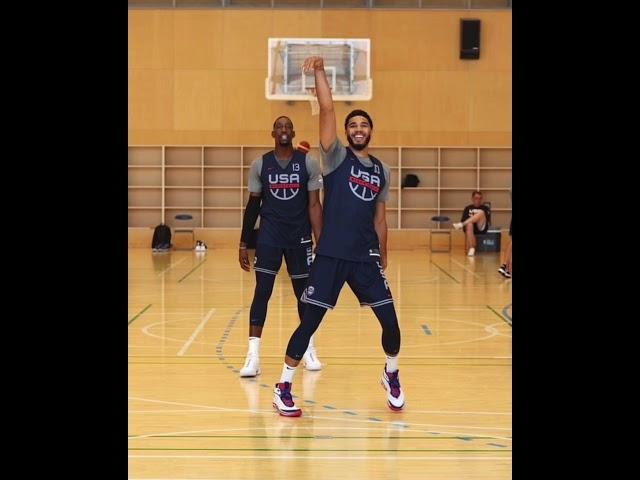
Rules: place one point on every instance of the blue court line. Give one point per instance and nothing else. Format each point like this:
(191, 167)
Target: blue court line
(505, 311)
(496, 445)
(505, 319)
(425, 327)
(219, 352)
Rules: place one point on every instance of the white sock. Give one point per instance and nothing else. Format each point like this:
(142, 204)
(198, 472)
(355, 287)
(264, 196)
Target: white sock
(392, 364)
(287, 373)
(312, 343)
(254, 345)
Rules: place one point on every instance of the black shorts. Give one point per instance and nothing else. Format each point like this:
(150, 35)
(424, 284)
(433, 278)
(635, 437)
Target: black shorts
(268, 260)
(327, 277)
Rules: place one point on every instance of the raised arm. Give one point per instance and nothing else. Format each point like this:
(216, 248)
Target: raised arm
(325, 100)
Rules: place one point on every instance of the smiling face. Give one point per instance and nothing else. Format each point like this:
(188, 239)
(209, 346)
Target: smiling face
(358, 132)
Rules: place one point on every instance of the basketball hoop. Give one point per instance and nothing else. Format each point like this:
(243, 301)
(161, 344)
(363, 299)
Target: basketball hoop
(313, 101)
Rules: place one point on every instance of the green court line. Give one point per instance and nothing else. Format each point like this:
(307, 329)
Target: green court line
(446, 273)
(341, 364)
(329, 437)
(508, 322)
(143, 310)
(341, 450)
(324, 356)
(192, 270)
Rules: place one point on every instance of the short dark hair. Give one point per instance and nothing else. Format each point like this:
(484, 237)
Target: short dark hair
(358, 113)
(282, 116)
(476, 192)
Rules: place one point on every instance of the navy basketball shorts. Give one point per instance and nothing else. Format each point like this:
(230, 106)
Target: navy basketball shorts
(268, 259)
(327, 277)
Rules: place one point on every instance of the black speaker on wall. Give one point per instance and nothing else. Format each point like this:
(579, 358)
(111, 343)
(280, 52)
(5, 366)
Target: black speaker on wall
(469, 39)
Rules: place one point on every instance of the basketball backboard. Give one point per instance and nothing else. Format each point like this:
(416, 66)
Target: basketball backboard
(347, 64)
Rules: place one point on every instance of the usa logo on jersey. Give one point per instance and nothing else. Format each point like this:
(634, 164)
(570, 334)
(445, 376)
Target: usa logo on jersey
(284, 186)
(363, 184)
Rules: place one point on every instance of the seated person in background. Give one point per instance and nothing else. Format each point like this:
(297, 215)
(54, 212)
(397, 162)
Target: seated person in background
(475, 220)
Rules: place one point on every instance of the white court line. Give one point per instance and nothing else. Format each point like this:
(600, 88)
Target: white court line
(141, 346)
(470, 271)
(333, 348)
(171, 266)
(373, 410)
(341, 357)
(473, 458)
(355, 308)
(182, 404)
(332, 419)
(491, 334)
(491, 329)
(195, 333)
(164, 410)
(439, 412)
(146, 331)
(380, 429)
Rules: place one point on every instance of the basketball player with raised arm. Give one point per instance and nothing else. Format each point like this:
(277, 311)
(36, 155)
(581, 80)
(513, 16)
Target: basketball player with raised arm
(353, 245)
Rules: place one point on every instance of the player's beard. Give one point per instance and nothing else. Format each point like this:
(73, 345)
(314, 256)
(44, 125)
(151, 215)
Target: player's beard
(360, 146)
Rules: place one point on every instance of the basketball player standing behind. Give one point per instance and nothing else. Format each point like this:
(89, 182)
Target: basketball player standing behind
(288, 183)
(353, 245)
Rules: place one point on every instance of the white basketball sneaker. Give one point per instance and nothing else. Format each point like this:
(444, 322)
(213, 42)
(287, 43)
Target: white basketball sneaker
(310, 360)
(391, 383)
(251, 366)
(283, 401)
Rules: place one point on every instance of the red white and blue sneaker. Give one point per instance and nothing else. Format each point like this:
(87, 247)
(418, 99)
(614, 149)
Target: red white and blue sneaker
(283, 402)
(391, 383)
